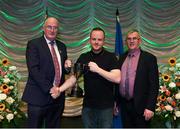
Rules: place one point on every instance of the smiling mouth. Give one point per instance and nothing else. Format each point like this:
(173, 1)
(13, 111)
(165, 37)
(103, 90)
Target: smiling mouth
(132, 44)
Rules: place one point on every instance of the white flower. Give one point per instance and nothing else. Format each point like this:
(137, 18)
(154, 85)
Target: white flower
(9, 117)
(177, 96)
(12, 68)
(172, 85)
(6, 80)
(15, 112)
(177, 113)
(171, 68)
(158, 109)
(177, 73)
(10, 100)
(3, 96)
(168, 108)
(11, 87)
(1, 117)
(178, 65)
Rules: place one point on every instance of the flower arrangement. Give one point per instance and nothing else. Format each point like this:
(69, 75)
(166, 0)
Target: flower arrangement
(168, 101)
(9, 101)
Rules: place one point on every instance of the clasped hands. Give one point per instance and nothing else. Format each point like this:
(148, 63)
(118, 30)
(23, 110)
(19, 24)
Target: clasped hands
(55, 91)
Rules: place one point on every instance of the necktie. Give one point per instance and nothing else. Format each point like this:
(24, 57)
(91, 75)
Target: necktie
(57, 77)
(127, 95)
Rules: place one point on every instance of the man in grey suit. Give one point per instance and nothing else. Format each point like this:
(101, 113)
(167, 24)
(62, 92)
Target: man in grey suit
(139, 83)
(44, 96)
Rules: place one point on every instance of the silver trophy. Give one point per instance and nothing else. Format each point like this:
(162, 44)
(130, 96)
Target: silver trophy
(78, 70)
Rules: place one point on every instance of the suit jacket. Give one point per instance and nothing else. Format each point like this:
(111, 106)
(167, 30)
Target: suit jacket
(146, 82)
(41, 72)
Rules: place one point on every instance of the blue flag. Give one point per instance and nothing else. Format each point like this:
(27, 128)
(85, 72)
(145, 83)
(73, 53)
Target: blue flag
(117, 122)
(119, 40)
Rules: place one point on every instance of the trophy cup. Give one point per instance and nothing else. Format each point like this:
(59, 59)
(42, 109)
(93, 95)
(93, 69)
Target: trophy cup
(78, 70)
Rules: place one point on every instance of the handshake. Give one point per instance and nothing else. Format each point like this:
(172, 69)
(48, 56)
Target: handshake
(56, 91)
(76, 70)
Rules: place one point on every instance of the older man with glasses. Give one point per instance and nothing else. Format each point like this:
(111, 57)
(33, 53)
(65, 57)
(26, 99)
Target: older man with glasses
(46, 61)
(139, 83)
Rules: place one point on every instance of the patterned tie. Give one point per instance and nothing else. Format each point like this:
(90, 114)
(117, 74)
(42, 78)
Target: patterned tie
(57, 77)
(127, 88)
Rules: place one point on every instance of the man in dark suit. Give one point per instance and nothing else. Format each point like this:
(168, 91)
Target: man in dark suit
(139, 83)
(42, 93)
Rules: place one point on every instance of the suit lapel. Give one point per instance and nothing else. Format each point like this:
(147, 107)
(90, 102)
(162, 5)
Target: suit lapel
(60, 50)
(47, 50)
(139, 71)
(140, 63)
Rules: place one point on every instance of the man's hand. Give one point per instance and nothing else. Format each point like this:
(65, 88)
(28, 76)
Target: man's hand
(55, 92)
(148, 114)
(114, 75)
(68, 63)
(93, 67)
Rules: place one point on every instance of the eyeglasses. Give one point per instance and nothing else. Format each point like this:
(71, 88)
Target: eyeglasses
(134, 39)
(52, 28)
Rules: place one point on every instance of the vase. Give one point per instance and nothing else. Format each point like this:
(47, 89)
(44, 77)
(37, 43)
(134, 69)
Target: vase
(171, 124)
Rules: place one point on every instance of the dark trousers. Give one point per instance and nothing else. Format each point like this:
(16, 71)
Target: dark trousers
(46, 116)
(130, 118)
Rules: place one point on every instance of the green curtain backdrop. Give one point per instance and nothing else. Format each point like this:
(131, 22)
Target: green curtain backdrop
(157, 20)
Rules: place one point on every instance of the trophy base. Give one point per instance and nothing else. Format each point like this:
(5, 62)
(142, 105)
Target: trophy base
(77, 93)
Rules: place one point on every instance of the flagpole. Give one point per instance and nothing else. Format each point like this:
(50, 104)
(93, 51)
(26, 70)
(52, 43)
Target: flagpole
(119, 39)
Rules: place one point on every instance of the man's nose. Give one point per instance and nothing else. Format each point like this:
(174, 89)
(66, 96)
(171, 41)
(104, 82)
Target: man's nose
(53, 29)
(131, 40)
(96, 41)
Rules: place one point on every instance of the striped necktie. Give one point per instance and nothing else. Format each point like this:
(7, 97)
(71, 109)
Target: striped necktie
(57, 77)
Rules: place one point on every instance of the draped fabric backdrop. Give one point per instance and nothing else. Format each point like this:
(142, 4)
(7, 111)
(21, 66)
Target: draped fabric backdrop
(21, 20)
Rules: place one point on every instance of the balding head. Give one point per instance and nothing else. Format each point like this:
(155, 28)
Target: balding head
(50, 20)
(51, 28)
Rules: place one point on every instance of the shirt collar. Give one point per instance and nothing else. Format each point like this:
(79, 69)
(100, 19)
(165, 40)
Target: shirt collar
(48, 41)
(134, 52)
